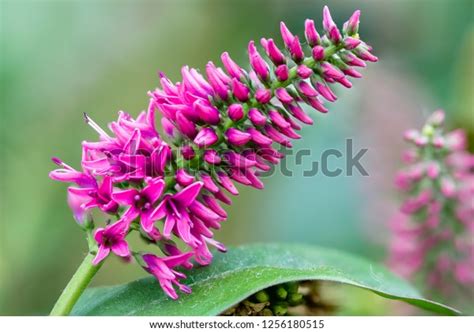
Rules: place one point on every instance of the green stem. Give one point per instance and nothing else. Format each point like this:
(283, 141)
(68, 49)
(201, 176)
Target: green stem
(75, 287)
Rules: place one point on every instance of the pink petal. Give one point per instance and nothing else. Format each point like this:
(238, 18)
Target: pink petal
(154, 189)
(121, 249)
(125, 197)
(169, 225)
(102, 253)
(187, 196)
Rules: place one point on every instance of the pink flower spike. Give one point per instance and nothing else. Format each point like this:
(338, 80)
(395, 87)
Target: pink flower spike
(206, 137)
(312, 36)
(258, 64)
(232, 68)
(237, 137)
(240, 90)
(111, 238)
(281, 72)
(263, 96)
(236, 112)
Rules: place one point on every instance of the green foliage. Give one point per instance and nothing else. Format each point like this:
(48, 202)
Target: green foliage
(246, 270)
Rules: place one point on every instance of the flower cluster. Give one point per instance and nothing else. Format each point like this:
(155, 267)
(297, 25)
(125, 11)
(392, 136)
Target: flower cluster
(433, 232)
(222, 129)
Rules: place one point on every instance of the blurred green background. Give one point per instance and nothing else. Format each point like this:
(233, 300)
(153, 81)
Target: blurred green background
(61, 58)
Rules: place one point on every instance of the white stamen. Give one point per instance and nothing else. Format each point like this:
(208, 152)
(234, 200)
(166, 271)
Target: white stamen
(95, 126)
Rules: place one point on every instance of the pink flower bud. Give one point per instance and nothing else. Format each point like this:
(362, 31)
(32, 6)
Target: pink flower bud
(236, 112)
(263, 96)
(352, 60)
(276, 136)
(184, 178)
(240, 90)
(286, 35)
(273, 51)
(352, 73)
(318, 53)
(211, 157)
(281, 72)
(317, 105)
(325, 91)
(298, 113)
(257, 117)
(312, 36)
(448, 188)
(219, 87)
(168, 127)
(238, 160)
(351, 43)
(278, 119)
(304, 71)
(206, 137)
(437, 118)
(237, 137)
(330, 27)
(188, 152)
(259, 138)
(433, 170)
(331, 71)
(256, 61)
(207, 112)
(351, 27)
(306, 89)
(226, 183)
(364, 54)
(283, 96)
(187, 127)
(209, 183)
(232, 68)
(296, 50)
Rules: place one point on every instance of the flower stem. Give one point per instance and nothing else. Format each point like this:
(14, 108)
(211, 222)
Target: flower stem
(76, 286)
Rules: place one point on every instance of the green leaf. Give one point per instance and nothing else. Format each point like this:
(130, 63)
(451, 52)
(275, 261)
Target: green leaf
(245, 270)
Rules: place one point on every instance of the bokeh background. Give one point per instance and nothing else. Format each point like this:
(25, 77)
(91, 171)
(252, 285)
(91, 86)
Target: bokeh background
(61, 58)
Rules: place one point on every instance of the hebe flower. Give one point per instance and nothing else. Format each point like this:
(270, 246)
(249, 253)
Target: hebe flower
(434, 230)
(223, 128)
